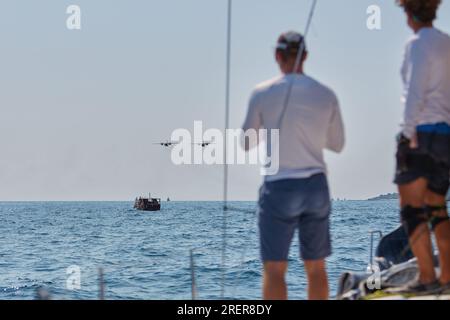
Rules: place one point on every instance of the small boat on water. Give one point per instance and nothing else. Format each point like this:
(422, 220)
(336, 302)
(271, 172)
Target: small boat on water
(147, 204)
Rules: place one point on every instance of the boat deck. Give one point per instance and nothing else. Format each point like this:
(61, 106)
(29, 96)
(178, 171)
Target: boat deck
(398, 297)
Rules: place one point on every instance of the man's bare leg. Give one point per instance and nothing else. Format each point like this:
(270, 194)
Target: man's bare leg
(413, 194)
(442, 233)
(317, 280)
(274, 284)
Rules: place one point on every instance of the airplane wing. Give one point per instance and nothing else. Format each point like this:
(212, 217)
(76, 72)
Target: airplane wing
(166, 143)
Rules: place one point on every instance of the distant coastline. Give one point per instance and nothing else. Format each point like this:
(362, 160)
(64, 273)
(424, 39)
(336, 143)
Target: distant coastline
(393, 196)
(388, 196)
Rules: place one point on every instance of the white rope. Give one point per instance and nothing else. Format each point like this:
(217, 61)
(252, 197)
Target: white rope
(298, 60)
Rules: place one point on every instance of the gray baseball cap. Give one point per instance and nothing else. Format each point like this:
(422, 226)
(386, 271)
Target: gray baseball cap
(290, 41)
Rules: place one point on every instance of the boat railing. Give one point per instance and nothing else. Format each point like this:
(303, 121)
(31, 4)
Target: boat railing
(373, 233)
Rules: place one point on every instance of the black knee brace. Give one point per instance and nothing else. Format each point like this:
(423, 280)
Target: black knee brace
(436, 220)
(412, 218)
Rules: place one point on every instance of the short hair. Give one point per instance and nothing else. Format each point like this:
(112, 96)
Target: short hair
(422, 10)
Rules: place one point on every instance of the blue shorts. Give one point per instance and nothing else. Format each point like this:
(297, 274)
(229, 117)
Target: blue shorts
(286, 205)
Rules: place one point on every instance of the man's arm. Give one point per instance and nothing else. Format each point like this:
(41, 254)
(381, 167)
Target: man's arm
(336, 134)
(416, 80)
(253, 121)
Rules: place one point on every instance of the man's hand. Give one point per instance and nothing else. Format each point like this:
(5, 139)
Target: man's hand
(413, 143)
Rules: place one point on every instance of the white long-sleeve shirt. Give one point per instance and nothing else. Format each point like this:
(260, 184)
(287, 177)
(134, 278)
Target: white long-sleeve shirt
(426, 79)
(311, 124)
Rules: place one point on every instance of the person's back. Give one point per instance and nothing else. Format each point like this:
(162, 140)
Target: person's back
(426, 78)
(310, 124)
(308, 118)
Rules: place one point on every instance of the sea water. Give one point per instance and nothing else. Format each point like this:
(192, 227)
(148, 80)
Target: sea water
(146, 255)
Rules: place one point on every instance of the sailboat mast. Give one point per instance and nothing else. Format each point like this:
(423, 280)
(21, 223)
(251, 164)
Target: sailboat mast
(227, 102)
(227, 124)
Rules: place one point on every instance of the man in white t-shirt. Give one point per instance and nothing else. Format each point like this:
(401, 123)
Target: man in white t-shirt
(423, 152)
(297, 196)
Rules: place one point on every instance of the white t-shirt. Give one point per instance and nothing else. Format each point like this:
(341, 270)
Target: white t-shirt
(312, 123)
(426, 79)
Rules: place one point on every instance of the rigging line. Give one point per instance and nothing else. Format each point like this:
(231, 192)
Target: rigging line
(297, 65)
(193, 280)
(225, 168)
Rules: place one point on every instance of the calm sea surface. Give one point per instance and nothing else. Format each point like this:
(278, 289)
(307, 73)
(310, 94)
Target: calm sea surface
(145, 255)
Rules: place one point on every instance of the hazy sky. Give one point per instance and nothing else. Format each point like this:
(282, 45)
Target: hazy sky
(79, 110)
